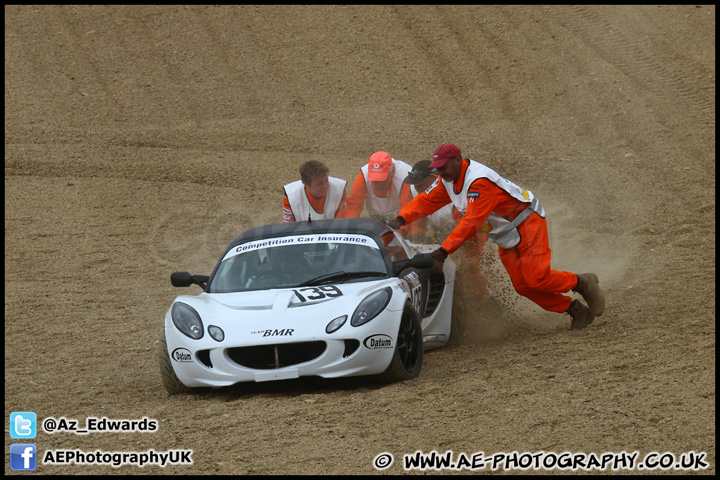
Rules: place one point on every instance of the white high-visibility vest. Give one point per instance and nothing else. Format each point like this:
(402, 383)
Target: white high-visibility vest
(501, 231)
(386, 208)
(300, 204)
(438, 218)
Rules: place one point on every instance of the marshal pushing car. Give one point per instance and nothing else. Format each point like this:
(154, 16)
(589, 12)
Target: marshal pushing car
(332, 298)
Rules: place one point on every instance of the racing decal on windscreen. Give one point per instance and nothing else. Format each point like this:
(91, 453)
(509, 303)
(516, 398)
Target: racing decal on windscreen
(181, 355)
(302, 240)
(312, 294)
(378, 341)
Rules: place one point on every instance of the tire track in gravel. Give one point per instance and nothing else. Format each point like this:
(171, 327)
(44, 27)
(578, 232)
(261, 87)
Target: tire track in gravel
(456, 44)
(441, 53)
(687, 81)
(674, 79)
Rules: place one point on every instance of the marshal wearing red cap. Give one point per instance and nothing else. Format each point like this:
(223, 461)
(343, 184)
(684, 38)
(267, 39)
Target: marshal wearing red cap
(515, 220)
(443, 153)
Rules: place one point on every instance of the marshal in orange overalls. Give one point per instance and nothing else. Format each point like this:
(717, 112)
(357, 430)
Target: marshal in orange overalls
(528, 263)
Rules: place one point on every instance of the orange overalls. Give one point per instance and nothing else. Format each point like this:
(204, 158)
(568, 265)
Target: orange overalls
(528, 263)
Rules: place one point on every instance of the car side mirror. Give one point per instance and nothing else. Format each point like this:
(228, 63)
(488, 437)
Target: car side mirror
(184, 279)
(421, 260)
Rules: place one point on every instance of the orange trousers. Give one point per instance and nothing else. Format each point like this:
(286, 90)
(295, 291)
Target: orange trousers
(529, 267)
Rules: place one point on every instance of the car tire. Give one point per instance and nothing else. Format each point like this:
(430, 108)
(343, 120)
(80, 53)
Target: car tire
(407, 358)
(169, 380)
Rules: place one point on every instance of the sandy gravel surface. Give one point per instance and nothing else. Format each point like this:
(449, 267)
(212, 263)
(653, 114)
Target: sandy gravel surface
(140, 140)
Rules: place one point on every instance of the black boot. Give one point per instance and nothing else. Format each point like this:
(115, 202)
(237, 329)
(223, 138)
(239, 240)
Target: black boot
(588, 286)
(581, 316)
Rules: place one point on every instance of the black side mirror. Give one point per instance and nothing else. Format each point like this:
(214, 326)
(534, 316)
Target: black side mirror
(421, 260)
(184, 279)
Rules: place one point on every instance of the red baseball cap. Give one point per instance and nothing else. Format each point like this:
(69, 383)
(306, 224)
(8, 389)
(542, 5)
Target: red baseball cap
(443, 153)
(379, 166)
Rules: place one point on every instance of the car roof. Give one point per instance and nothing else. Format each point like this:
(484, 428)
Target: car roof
(367, 226)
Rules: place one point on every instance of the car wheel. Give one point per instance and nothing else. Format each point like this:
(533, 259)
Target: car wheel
(169, 380)
(408, 356)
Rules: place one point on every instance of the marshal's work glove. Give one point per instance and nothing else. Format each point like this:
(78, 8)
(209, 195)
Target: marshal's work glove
(439, 256)
(396, 223)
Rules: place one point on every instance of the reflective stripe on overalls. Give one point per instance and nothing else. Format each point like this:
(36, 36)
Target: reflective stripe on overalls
(499, 229)
(507, 235)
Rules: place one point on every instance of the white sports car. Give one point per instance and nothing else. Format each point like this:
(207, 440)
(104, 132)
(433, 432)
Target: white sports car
(332, 298)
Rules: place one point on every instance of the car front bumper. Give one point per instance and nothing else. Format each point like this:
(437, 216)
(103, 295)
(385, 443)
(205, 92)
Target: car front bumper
(367, 351)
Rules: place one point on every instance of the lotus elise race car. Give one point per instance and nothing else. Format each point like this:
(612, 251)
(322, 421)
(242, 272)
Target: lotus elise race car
(331, 298)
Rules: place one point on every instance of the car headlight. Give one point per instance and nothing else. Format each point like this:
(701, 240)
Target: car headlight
(187, 320)
(335, 324)
(216, 333)
(371, 306)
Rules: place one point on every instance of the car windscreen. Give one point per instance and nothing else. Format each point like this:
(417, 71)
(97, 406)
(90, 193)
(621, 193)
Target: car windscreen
(298, 260)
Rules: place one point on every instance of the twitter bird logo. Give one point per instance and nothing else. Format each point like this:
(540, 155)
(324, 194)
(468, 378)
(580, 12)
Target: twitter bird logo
(23, 425)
